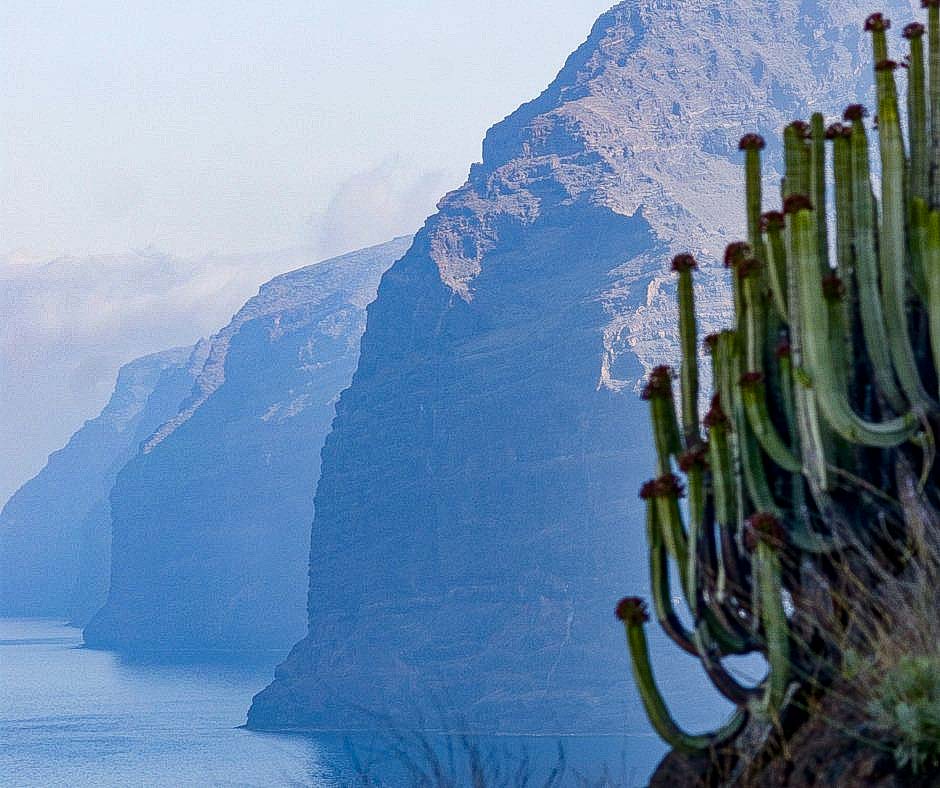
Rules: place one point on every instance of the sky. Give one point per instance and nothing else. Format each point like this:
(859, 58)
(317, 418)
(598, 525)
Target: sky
(229, 141)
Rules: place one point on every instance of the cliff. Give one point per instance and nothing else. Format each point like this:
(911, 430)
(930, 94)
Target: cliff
(211, 520)
(55, 536)
(477, 517)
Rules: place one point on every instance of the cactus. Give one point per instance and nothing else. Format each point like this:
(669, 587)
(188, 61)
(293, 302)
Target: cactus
(824, 398)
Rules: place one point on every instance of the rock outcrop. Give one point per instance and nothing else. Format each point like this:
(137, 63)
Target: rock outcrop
(211, 520)
(55, 532)
(477, 516)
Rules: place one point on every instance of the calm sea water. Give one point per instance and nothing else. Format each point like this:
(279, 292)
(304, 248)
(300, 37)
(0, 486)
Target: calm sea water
(71, 716)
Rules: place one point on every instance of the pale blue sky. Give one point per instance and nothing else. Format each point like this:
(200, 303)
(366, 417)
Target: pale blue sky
(239, 126)
(189, 128)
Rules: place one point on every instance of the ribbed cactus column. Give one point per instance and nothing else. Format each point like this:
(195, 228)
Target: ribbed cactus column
(820, 399)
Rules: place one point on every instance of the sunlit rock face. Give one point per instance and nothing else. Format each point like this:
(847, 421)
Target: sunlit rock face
(477, 517)
(55, 532)
(211, 520)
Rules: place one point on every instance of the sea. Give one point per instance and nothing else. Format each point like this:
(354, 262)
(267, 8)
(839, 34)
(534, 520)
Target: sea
(72, 716)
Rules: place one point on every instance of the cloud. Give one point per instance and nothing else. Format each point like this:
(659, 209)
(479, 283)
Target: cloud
(69, 324)
(376, 204)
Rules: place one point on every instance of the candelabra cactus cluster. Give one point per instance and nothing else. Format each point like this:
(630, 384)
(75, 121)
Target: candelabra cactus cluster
(818, 444)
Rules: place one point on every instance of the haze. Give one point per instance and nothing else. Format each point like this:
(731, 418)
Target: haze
(228, 141)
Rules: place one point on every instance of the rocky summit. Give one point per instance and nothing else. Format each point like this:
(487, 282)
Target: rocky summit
(211, 519)
(55, 532)
(477, 515)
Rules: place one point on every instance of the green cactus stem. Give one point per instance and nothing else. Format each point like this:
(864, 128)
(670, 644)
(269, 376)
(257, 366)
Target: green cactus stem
(683, 265)
(933, 75)
(892, 243)
(658, 392)
(772, 224)
(632, 612)
(866, 266)
(830, 388)
(917, 113)
(932, 268)
(765, 538)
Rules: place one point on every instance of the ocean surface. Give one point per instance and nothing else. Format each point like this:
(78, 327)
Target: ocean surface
(71, 716)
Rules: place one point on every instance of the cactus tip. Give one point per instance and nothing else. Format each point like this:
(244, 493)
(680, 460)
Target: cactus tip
(683, 262)
(877, 23)
(886, 65)
(659, 383)
(751, 142)
(802, 129)
(837, 130)
(783, 348)
(715, 417)
(694, 458)
(854, 112)
(797, 202)
(771, 220)
(913, 30)
(736, 252)
(632, 610)
(747, 267)
(763, 527)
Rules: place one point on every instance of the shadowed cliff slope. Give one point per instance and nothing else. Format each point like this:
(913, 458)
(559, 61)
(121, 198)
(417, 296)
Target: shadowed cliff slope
(211, 521)
(477, 516)
(55, 532)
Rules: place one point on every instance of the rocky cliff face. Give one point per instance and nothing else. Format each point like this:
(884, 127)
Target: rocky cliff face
(211, 520)
(55, 535)
(477, 516)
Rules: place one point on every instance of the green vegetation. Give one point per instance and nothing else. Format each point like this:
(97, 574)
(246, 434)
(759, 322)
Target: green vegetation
(811, 515)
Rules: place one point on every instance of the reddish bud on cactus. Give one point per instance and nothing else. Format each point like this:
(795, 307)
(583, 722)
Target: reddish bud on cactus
(710, 342)
(837, 130)
(747, 267)
(772, 220)
(763, 527)
(715, 417)
(751, 142)
(802, 128)
(694, 458)
(913, 30)
(797, 202)
(929, 3)
(854, 112)
(751, 379)
(783, 349)
(632, 610)
(683, 262)
(659, 383)
(736, 252)
(877, 23)
(648, 490)
(886, 65)
(669, 486)
(833, 287)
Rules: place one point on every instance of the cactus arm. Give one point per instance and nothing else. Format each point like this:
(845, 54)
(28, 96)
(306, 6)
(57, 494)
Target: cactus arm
(872, 316)
(755, 406)
(829, 389)
(665, 431)
(661, 586)
(818, 187)
(656, 708)
(933, 73)
(777, 270)
(776, 628)
(932, 267)
(689, 368)
(917, 119)
(893, 243)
